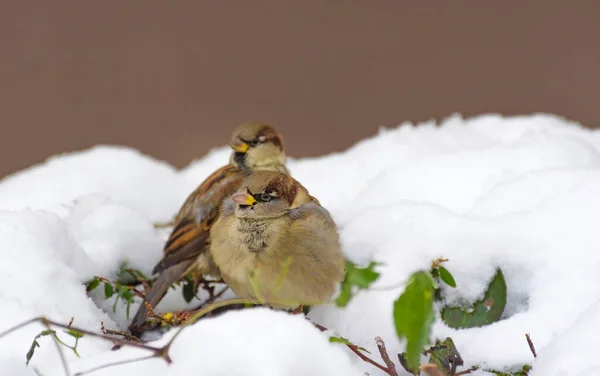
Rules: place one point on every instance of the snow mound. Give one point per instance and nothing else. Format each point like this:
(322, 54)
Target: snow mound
(520, 193)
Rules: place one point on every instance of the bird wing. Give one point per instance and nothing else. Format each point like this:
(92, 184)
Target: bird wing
(311, 208)
(195, 218)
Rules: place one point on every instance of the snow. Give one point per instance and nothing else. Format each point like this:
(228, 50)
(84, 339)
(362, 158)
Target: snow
(520, 193)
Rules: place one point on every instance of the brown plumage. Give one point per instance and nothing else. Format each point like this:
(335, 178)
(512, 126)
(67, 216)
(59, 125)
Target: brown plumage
(256, 147)
(269, 221)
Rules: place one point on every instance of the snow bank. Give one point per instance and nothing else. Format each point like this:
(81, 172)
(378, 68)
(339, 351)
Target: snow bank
(518, 192)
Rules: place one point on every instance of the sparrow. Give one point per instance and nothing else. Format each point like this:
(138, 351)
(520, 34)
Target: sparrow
(255, 146)
(274, 242)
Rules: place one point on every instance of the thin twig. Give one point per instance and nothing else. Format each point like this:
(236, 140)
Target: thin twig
(531, 347)
(63, 360)
(354, 349)
(467, 371)
(127, 336)
(19, 326)
(212, 297)
(155, 350)
(119, 363)
(161, 352)
(385, 356)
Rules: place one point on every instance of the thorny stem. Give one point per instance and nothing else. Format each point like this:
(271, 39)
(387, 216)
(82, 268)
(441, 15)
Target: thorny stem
(127, 336)
(355, 350)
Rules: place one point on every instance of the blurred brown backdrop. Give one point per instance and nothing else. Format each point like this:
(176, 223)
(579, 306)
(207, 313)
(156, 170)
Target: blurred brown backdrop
(172, 78)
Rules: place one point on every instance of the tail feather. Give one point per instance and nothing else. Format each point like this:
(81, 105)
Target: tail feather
(157, 292)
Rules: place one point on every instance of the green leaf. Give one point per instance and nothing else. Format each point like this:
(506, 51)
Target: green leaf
(138, 274)
(445, 356)
(35, 344)
(404, 364)
(524, 371)
(122, 270)
(127, 295)
(484, 312)
(447, 277)
(92, 284)
(345, 341)
(31, 351)
(74, 333)
(188, 291)
(122, 290)
(108, 290)
(361, 278)
(364, 277)
(414, 315)
(345, 295)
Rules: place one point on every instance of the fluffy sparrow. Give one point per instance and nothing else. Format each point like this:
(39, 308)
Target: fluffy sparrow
(274, 240)
(255, 147)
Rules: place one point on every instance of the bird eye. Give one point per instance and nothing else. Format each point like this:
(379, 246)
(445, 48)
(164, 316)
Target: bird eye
(255, 141)
(265, 197)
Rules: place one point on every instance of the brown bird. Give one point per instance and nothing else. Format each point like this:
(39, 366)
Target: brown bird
(275, 242)
(255, 147)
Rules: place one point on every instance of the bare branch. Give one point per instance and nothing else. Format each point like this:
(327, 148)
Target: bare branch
(530, 343)
(467, 371)
(161, 352)
(385, 356)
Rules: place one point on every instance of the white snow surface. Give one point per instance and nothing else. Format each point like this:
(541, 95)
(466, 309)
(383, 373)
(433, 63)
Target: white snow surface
(520, 193)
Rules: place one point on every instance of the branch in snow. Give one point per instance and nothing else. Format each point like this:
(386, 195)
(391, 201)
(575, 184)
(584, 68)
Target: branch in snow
(161, 352)
(119, 363)
(531, 347)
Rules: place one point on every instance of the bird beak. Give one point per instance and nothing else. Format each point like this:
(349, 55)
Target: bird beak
(243, 198)
(239, 146)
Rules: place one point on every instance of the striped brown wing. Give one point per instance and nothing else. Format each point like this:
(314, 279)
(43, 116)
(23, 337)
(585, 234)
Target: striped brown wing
(195, 218)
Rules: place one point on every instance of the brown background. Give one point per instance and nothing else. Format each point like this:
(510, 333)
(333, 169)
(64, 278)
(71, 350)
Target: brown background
(172, 78)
